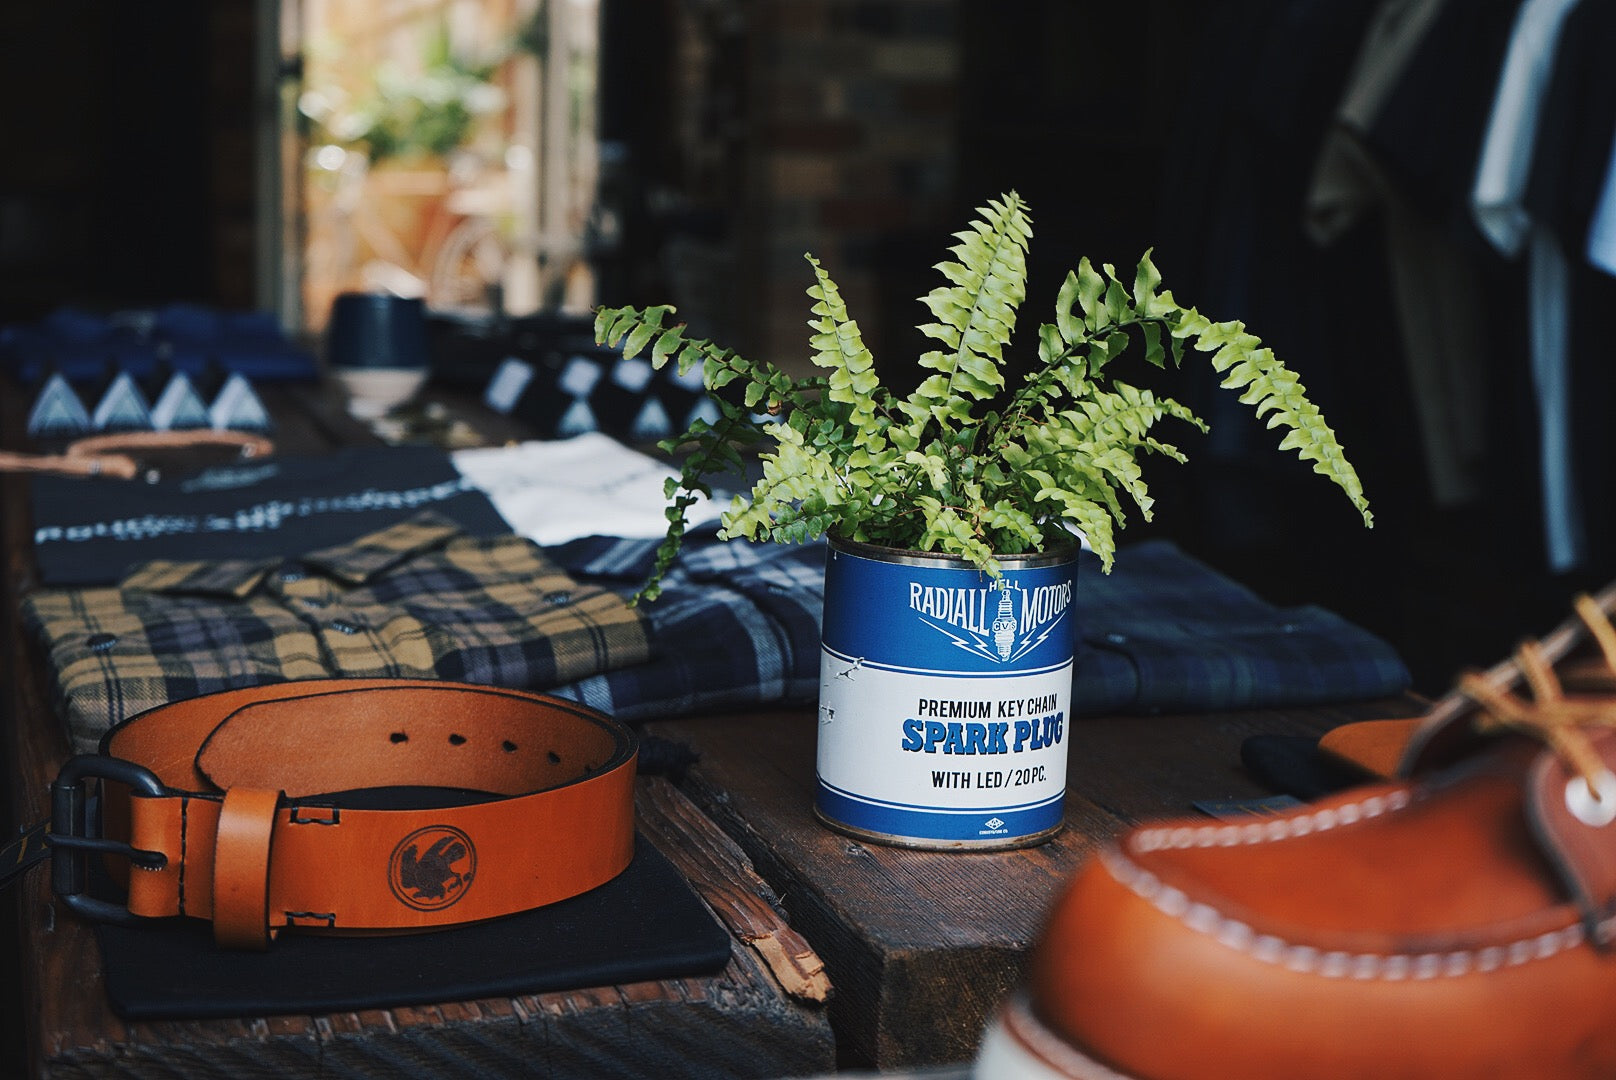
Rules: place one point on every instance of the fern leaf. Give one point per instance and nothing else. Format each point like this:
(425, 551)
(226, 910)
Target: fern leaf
(1090, 290)
(839, 347)
(1146, 280)
(1264, 383)
(975, 312)
(940, 470)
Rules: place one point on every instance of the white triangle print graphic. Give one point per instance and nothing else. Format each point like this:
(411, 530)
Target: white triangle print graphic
(651, 423)
(122, 407)
(579, 377)
(633, 375)
(577, 420)
(179, 406)
(703, 410)
(237, 408)
(58, 411)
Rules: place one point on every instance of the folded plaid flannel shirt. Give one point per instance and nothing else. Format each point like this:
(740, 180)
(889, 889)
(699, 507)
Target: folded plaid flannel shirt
(415, 600)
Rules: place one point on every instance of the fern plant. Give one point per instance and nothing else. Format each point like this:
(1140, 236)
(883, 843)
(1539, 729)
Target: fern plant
(964, 465)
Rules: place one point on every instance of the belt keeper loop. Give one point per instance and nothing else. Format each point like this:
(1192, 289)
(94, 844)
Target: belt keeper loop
(241, 868)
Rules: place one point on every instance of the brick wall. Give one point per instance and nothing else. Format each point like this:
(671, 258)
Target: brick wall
(839, 121)
(866, 131)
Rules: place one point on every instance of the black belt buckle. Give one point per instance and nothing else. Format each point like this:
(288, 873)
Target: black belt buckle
(73, 836)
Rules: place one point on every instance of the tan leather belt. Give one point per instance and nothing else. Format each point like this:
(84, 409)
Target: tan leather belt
(113, 455)
(228, 802)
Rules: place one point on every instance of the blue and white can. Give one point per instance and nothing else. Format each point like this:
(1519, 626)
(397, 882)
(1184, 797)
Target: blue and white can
(944, 697)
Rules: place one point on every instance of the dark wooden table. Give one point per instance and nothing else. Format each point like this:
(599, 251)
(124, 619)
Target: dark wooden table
(761, 1016)
(918, 947)
(922, 945)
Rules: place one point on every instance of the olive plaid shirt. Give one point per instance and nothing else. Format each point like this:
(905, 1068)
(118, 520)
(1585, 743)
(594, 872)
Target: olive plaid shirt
(416, 600)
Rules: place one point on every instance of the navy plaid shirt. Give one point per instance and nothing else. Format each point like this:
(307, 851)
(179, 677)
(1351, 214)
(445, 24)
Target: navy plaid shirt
(738, 625)
(1163, 633)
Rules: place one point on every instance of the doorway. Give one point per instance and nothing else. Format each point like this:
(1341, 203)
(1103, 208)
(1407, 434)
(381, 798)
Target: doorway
(442, 149)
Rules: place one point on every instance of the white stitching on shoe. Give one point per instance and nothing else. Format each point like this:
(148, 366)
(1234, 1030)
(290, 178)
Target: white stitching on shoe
(1204, 919)
(1284, 828)
(1020, 1023)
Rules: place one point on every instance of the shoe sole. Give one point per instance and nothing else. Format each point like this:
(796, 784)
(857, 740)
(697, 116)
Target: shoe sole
(1019, 1047)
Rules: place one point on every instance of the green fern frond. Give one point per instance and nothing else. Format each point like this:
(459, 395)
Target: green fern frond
(798, 482)
(951, 533)
(839, 347)
(975, 314)
(1125, 414)
(1272, 390)
(931, 473)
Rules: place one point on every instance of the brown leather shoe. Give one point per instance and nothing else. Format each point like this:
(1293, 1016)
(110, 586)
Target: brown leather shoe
(1457, 923)
(1376, 747)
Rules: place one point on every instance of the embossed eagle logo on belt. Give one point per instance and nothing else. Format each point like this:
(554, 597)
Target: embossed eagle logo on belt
(432, 868)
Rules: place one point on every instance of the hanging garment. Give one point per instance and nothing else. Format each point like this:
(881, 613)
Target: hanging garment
(1504, 218)
(1568, 173)
(1601, 244)
(1400, 145)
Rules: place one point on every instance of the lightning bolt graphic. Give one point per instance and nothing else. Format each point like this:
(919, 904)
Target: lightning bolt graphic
(1033, 643)
(969, 644)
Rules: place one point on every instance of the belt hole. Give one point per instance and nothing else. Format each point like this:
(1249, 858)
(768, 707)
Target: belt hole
(555, 758)
(457, 740)
(508, 746)
(399, 737)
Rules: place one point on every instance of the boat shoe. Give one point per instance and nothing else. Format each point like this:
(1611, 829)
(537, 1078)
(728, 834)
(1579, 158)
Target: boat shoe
(1458, 921)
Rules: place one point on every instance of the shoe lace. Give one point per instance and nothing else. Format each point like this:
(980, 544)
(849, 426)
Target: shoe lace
(1560, 722)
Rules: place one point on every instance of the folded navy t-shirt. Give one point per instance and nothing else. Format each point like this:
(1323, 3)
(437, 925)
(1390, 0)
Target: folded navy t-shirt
(92, 531)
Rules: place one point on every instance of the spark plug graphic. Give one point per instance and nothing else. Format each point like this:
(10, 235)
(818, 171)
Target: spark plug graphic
(1004, 626)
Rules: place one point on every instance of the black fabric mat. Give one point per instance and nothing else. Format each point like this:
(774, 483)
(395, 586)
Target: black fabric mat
(1294, 765)
(644, 924)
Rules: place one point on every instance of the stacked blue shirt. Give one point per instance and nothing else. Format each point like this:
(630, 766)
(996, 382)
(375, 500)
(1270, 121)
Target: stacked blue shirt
(737, 626)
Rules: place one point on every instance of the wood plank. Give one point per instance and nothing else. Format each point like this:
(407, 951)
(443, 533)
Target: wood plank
(922, 945)
(726, 881)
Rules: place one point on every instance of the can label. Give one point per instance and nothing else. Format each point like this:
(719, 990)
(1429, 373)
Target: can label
(943, 698)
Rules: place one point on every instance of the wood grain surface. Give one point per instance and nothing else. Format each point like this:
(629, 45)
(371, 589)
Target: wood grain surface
(922, 945)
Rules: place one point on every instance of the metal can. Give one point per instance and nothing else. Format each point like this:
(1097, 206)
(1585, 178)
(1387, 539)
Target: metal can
(944, 697)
